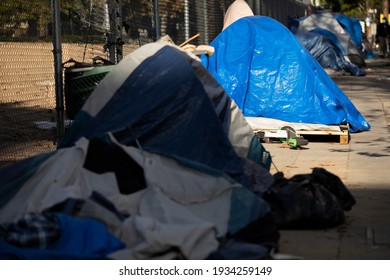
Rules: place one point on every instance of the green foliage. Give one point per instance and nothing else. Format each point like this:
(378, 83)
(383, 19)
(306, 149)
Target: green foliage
(352, 8)
(37, 14)
(15, 12)
(333, 5)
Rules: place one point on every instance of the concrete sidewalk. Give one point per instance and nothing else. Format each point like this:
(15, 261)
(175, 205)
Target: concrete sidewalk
(364, 167)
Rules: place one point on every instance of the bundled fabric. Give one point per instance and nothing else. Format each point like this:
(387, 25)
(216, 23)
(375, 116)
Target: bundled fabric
(268, 73)
(157, 206)
(33, 230)
(65, 237)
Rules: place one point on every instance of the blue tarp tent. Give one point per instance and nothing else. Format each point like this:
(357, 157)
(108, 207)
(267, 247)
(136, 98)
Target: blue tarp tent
(268, 73)
(324, 20)
(332, 37)
(327, 53)
(352, 26)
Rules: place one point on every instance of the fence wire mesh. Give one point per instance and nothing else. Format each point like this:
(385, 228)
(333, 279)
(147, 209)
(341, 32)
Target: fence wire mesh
(91, 31)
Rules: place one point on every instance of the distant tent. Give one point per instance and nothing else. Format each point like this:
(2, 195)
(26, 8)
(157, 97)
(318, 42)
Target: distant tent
(326, 20)
(327, 53)
(332, 37)
(268, 73)
(367, 48)
(321, 19)
(352, 26)
(293, 24)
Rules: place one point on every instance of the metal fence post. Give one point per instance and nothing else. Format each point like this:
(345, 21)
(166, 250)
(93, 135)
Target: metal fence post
(115, 42)
(156, 19)
(58, 68)
(186, 20)
(206, 38)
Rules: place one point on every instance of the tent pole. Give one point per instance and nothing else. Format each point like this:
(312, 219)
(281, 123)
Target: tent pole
(57, 51)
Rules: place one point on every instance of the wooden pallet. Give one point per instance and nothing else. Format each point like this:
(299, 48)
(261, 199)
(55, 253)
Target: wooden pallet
(304, 129)
(343, 133)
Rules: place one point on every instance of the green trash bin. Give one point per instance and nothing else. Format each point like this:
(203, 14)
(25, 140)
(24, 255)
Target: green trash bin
(79, 84)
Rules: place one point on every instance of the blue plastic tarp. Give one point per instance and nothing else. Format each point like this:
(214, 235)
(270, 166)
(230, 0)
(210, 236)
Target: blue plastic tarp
(352, 26)
(322, 49)
(326, 21)
(327, 53)
(332, 37)
(267, 72)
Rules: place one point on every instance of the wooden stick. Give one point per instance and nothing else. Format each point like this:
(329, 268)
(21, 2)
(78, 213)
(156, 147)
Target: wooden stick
(189, 40)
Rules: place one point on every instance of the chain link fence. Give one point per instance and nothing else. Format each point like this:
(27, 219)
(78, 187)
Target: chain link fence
(94, 33)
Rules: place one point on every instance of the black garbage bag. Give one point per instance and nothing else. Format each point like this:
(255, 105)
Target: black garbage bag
(309, 201)
(334, 184)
